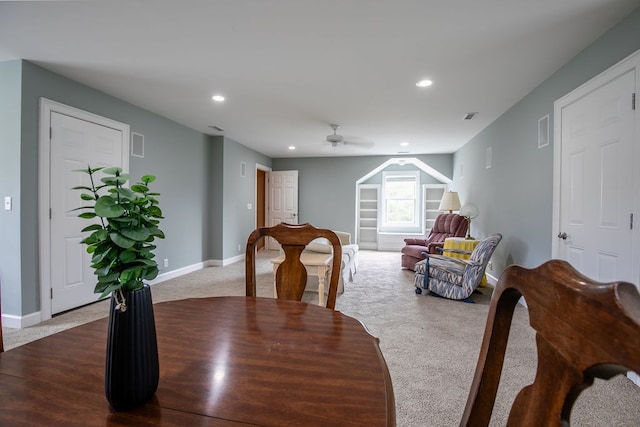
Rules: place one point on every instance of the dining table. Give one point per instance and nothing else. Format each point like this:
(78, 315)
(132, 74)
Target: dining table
(224, 361)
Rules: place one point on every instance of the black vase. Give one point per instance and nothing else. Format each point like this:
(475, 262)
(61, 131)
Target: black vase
(132, 370)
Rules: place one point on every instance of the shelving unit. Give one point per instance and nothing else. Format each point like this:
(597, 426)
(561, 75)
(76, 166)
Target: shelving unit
(431, 196)
(368, 199)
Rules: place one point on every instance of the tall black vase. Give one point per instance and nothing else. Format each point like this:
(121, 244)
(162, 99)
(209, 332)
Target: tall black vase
(132, 370)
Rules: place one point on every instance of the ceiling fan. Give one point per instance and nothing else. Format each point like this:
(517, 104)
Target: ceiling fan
(335, 139)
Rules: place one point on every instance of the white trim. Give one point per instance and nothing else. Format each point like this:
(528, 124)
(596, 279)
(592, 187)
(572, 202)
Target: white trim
(266, 169)
(393, 161)
(412, 175)
(20, 322)
(44, 196)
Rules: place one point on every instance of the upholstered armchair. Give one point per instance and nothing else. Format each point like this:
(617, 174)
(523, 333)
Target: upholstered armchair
(445, 225)
(455, 278)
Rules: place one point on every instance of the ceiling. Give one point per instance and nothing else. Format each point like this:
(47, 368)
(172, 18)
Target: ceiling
(290, 68)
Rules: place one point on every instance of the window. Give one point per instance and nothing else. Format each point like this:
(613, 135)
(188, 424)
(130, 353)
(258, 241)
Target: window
(400, 200)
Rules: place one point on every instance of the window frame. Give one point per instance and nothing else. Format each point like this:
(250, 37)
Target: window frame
(401, 226)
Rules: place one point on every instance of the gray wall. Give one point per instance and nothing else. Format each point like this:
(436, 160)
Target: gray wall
(238, 220)
(327, 185)
(181, 158)
(515, 194)
(10, 246)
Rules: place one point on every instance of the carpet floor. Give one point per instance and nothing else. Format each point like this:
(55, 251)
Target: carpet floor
(431, 345)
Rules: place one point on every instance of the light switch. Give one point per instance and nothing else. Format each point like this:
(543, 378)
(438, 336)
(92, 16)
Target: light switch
(7, 203)
(249, 206)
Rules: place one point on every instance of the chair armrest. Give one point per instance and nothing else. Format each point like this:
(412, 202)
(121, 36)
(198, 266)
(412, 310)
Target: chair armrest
(460, 261)
(458, 251)
(412, 241)
(435, 248)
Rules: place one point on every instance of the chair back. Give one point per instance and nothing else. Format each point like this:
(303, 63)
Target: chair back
(291, 274)
(482, 252)
(448, 225)
(584, 329)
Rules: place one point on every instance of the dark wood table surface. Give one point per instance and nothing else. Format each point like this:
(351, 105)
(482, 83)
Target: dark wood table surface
(224, 361)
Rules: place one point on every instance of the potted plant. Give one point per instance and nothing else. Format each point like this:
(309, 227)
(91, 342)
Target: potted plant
(121, 245)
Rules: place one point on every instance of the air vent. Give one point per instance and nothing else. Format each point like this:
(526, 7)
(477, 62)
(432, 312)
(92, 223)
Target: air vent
(216, 128)
(469, 116)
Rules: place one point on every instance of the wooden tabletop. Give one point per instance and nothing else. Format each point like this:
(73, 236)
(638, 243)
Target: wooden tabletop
(224, 361)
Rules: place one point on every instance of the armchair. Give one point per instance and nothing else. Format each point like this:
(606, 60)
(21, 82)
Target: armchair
(455, 278)
(445, 225)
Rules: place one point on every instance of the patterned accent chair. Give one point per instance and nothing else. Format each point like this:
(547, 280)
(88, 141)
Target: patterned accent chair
(455, 278)
(445, 225)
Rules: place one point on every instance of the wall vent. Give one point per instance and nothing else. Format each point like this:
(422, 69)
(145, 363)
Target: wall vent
(470, 116)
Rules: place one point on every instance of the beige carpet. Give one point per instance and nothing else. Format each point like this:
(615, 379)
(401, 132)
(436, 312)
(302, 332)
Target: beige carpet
(430, 344)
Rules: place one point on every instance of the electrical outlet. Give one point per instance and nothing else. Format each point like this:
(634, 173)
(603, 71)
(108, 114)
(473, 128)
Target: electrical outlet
(490, 265)
(166, 262)
(239, 248)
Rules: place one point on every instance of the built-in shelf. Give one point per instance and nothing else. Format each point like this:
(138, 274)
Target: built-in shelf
(368, 199)
(431, 195)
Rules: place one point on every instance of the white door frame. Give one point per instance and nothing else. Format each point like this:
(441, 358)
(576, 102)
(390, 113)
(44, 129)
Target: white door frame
(622, 67)
(266, 169)
(44, 193)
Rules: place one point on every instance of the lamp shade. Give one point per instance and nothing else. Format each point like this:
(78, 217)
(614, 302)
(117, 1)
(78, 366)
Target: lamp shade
(450, 202)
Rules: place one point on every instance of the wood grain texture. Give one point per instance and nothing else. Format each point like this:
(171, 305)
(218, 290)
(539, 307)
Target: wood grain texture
(584, 330)
(225, 360)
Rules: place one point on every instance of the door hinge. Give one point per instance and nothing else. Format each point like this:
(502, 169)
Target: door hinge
(50, 133)
(631, 221)
(51, 293)
(50, 214)
(633, 101)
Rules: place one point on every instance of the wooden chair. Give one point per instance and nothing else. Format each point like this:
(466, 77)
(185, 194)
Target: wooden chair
(584, 329)
(291, 275)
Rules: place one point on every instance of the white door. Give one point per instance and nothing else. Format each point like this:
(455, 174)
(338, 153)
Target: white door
(283, 200)
(597, 181)
(75, 143)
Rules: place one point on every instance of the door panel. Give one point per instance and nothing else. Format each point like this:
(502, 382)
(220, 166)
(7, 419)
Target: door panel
(75, 144)
(596, 180)
(283, 200)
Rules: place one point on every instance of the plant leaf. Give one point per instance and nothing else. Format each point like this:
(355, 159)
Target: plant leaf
(121, 241)
(139, 234)
(107, 207)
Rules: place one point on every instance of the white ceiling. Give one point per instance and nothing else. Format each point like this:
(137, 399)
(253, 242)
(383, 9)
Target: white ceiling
(289, 68)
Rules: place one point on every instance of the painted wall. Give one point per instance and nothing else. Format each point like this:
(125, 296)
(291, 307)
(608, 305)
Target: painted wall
(515, 195)
(180, 157)
(10, 264)
(239, 191)
(327, 185)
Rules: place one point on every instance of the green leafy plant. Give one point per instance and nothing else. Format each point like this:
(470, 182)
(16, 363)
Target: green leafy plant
(121, 244)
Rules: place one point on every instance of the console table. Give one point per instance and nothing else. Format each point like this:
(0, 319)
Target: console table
(317, 264)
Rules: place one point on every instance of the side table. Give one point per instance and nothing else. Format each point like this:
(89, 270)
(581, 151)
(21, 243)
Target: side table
(461, 244)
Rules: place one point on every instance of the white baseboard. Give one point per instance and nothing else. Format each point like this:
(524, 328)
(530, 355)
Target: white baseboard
(177, 273)
(19, 322)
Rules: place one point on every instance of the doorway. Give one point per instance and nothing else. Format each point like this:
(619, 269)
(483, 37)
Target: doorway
(70, 139)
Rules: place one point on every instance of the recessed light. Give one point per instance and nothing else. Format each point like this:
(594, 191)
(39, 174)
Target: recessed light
(404, 144)
(218, 98)
(291, 147)
(424, 83)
